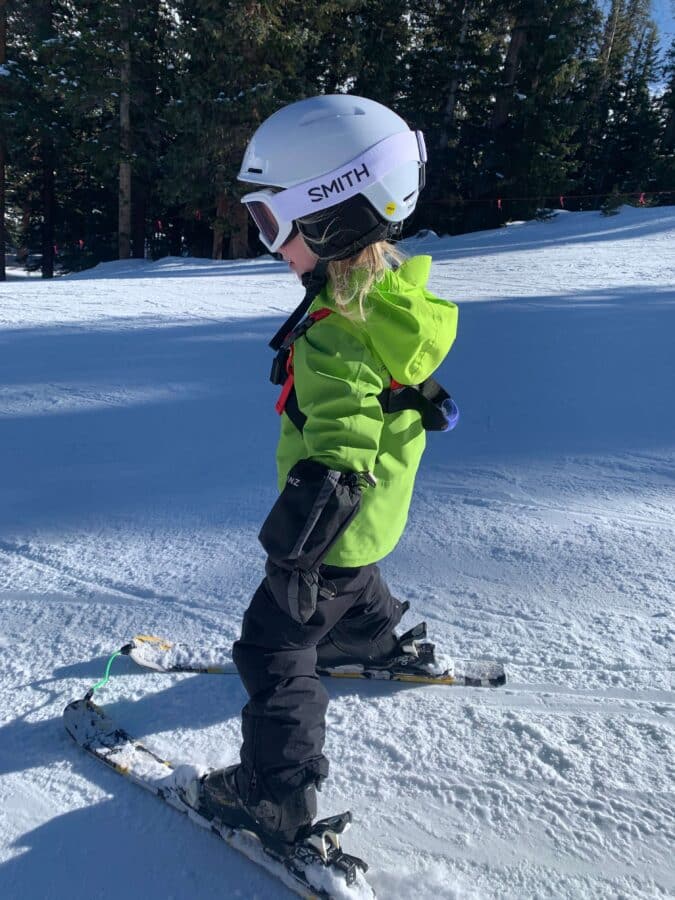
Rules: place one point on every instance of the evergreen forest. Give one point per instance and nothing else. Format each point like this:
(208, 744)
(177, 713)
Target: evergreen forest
(122, 125)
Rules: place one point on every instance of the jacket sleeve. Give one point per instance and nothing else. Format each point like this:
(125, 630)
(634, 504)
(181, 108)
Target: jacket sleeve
(337, 382)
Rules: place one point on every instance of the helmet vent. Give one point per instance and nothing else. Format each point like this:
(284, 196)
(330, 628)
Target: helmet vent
(255, 171)
(329, 113)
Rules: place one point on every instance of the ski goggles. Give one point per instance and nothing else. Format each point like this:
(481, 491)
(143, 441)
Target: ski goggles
(274, 211)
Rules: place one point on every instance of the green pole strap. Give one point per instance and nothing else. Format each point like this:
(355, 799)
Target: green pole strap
(106, 676)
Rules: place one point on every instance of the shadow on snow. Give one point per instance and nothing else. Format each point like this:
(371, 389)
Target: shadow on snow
(95, 423)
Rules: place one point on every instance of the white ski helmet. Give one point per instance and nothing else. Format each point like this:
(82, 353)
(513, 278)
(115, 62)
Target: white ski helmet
(345, 171)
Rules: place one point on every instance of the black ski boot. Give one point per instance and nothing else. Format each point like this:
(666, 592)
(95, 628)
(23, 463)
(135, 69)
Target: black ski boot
(410, 652)
(277, 823)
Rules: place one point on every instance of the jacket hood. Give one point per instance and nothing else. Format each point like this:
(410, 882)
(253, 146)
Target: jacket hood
(410, 328)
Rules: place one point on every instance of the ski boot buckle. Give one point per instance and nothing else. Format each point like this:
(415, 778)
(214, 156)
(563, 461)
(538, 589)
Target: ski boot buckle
(415, 649)
(325, 834)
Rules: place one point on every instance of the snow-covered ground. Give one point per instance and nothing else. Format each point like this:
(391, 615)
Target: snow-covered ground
(137, 433)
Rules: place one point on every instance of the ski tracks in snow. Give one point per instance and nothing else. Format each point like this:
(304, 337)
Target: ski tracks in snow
(566, 574)
(552, 794)
(520, 546)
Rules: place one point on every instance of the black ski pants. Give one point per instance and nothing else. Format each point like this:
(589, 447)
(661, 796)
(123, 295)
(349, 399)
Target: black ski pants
(283, 723)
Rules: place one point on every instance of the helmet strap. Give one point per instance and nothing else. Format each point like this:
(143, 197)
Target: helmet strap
(313, 282)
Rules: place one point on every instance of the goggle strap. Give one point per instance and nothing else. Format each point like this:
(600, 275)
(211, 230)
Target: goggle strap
(351, 178)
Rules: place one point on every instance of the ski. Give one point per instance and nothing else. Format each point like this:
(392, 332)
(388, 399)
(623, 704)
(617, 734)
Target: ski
(315, 868)
(162, 655)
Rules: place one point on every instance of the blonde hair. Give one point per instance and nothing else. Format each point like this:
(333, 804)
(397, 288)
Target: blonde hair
(351, 280)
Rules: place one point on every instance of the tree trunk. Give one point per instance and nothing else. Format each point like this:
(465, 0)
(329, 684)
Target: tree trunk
(219, 226)
(610, 34)
(239, 237)
(505, 90)
(124, 211)
(448, 121)
(175, 236)
(3, 58)
(22, 244)
(231, 217)
(3, 243)
(45, 33)
(48, 208)
(140, 193)
(144, 114)
(669, 133)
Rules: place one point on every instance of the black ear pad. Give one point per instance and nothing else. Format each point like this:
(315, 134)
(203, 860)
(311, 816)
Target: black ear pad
(343, 230)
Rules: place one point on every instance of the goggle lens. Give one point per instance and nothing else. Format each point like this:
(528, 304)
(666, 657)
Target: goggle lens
(265, 220)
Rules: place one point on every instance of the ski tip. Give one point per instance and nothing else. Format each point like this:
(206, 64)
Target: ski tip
(82, 719)
(77, 706)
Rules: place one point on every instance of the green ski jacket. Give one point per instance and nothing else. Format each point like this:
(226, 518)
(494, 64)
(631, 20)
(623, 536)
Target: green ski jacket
(340, 367)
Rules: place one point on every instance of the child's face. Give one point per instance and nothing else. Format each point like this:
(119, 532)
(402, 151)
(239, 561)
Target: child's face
(298, 255)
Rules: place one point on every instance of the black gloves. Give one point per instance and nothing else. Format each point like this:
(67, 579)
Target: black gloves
(309, 516)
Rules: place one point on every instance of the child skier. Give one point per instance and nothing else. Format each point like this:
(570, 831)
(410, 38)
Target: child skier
(337, 175)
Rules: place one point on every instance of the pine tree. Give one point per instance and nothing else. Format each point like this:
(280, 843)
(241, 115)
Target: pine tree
(45, 59)
(501, 84)
(330, 33)
(637, 125)
(227, 78)
(665, 167)
(535, 126)
(621, 121)
(36, 128)
(118, 115)
(89, 160)
(382, 32)
(3, 75)
(236, 64)
(118, 104)
(452, 60)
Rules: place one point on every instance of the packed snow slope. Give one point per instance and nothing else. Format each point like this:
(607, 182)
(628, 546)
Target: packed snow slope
(137, 437)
